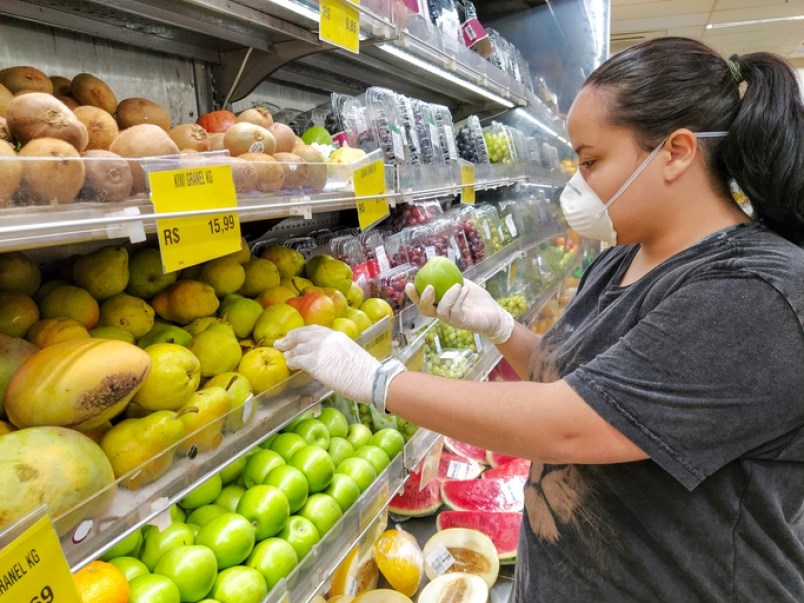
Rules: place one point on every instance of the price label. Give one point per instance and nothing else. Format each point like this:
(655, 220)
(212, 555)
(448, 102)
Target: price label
(188, 241)
(382, 258)
(369, 182)
(440, 559)
(380, 346)
(457, 470)
(468, 183)
(339, 24)
(33, 568)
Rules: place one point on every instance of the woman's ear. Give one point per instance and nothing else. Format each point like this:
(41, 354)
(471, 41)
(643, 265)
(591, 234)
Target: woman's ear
(683, 147)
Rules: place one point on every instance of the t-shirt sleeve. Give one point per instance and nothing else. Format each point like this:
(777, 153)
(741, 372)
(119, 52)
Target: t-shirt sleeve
(711, 373)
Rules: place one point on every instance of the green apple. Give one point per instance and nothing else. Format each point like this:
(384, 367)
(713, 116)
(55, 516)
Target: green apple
(314, 432)
(230, 536)
(344, 490)
(276, 321)
(191, 568)
(259, 465)
(360, 470)
(242, 314)
(267, 508)
(344, 325)
(130, 566)
(239, 584)
(177, 514)
(316, 465)
(302, 417)
(153, 588)
(377, 309)
(292, 483)
(230, 496)
(286, 444)
(356, 296)
(390, 440)
(204, 493)
(130, 545)
(359, 435)
(440, 273)
(265, 368)
(302, 535)
(335, 422)
(203, 514)
(323, 510)
(266, 443)
(158, 543)
(274, 558)
(232, 471)
(374, 455)
(340, 449)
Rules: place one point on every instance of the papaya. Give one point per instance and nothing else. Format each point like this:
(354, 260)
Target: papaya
(13, 352)
(79, 384)
(56, 466)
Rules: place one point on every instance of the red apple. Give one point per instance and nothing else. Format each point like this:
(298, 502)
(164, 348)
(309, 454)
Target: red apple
(216, 121)
(315, 307)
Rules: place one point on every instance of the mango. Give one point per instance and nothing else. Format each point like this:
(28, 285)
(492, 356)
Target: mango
(56, 466)
(79, 384)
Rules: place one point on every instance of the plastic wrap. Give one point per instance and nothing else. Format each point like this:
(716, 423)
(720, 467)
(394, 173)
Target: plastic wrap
(390, 285)
(471, 142)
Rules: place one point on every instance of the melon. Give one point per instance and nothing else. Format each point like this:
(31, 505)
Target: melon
(455, 588)
(495, 458)
(501, 528)
(471, 551)
(491, 494)
(520, 467)
(415, 501)
(467, 450)
(454, 466)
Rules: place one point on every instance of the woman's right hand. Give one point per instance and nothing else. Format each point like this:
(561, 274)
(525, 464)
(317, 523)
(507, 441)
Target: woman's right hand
(468, 307)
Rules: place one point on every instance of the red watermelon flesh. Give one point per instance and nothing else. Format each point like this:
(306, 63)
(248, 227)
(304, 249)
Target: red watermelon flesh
(467, 450)
(414, 501)
(455, 467)
(520, 467)
(491, 494)
(502, 528)
(495, 458)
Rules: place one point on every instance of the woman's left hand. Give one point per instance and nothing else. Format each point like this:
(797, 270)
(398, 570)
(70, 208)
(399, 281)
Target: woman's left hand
(331, 358)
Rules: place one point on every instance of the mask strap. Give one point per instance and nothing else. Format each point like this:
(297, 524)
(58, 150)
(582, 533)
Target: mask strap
(633, 176)
(711, 134)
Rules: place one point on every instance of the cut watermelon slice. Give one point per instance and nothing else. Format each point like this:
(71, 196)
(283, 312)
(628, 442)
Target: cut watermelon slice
(519, 467)
(502, 528)
(455, 467)
(492, 494)
(416, 502)
(495, 458)
(467, 450)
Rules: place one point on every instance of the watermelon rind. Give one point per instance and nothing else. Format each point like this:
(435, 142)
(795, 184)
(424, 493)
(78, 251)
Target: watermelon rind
(495, 459)
(502, 528)
(414, 501)
(466, 450)
(494, 494)
(520, 467)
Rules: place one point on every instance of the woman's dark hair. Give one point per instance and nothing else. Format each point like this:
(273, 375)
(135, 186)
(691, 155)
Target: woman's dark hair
(664, 84)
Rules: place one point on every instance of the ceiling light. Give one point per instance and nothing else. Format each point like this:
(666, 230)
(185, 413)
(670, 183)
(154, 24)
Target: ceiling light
(754, 22)
(444, 74)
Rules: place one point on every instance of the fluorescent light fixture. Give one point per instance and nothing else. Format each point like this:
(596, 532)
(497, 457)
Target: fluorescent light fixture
(297, 8)
(754, 22)
(444, 74)
(537, 123)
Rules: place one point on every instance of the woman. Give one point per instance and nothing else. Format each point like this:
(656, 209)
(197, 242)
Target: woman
(664, 412)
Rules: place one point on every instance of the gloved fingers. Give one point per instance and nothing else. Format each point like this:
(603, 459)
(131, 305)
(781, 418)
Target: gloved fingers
(301, 335)
(449, 302)
(302, 361)
(425, 301)
(410, 291)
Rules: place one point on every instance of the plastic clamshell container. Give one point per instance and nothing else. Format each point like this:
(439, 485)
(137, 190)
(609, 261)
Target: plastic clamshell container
(420, 243)
(466, 217)
(304, 245)
(407, 122)
(446, 132)
(499, 143)
(348, 248)
(414, 214)
(489, 223)
(390, 285)
(427, 132)
(510, 213)
(470, 141)
(449, 230)
(454, 364)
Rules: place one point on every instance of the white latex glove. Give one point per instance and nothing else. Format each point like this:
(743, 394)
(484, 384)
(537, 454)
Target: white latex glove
(468, 307)
(331, 358)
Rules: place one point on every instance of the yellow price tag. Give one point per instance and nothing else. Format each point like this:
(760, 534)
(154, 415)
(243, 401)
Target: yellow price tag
(339, 24)
(380, 346)
(33, 568)
(188, 241)
(369, 182)
(468, 183)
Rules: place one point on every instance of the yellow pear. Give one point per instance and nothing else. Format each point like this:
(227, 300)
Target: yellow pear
(217, 350)
(175, 375)
(212, 404)
(18, 313)
(128, 313)
(51, 331)
(146, 277)
(260, 275)
(103, 272)
(225, 275)
(185, 300)
(19, 273)
(68, 301)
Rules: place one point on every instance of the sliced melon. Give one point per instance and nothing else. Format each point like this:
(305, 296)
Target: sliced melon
(495, 459)
(491, 494)
(520, 467)
(467, 450)
(415, 501)
(355, 575)
(456, 587)
(383, 595)
(502, 528)
(472, 552)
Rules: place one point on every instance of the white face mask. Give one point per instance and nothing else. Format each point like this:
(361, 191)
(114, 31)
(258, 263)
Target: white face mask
(585, 211)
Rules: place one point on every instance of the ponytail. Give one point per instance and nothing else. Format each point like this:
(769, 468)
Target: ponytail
(764, 150)
(665, 84)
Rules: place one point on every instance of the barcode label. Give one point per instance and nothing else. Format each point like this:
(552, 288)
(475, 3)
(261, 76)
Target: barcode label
(351, 586)
(458, 470)
(440, 560)
(430, 252)
(382, 258)
(509, 222)
(508, 491)
(437, 344)
(487, 230)
(478, 342)
(449, 136)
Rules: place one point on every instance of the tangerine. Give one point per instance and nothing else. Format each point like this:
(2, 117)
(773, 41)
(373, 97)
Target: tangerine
(101, 581)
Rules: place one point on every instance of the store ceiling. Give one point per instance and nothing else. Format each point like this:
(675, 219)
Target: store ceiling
(635, 20)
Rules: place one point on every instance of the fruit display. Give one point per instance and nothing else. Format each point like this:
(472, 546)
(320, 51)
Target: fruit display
(471, 142)
(446, 133)
(413, 214)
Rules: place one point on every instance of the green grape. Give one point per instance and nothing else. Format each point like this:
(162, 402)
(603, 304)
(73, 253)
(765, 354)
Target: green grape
(514, 304)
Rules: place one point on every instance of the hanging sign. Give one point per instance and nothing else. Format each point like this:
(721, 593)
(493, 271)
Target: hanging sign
(339, 24)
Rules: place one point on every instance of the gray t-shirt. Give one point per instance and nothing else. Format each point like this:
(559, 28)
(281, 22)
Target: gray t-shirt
(700, 363)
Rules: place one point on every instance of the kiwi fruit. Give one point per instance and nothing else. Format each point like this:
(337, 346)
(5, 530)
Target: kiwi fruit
(245, 137)
(61, 85)
(136, 111)
(244, 175)
(259, 116)
(285, 137)
(143, 140)
(270, 175)
(5, 97)
(40, 115)
(10, 173)
(215, 141)
(56, 177)
(189, 137)
(68, 101)
(295, 168)
(316, 169)
(101, 127)
(5, 133)
(17, 79)
(108, 177)
(90, 90)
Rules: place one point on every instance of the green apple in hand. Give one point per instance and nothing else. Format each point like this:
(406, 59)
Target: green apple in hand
(274, 558)
(314, 432)
(301, 533)
(191, 568)
(291, 482)
(230, 536)
(359, 435)
(439, 272)
(267, 508)
(316, 465)
(239, 584)
(323, 510)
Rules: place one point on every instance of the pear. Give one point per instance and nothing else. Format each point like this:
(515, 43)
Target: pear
(217, 349)
(212, 403)
(145, 444)
(103, 272)
(289, 262)
(19, 312)
(175, 375)
(241, 314)
(146, 277)
(225, 275)
(68, 301)
(19, 273)
(239, 390)
(314, 262)
(13, 352)
(185, 300)
(127, 312)
(242, 255)
(165, 333)
(112, 333)
(260, 275)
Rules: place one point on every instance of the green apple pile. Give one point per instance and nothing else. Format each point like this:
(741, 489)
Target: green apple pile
(237, 534)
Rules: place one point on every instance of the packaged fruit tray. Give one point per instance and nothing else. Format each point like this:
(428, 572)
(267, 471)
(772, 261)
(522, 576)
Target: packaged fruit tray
(471, 142)
(427, 132)
(446, 132)
(500, 143)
